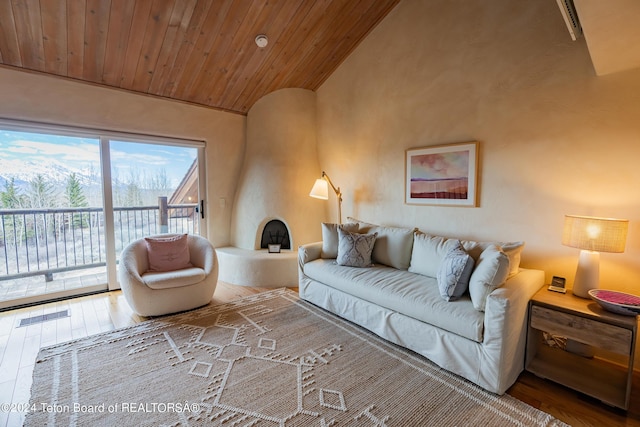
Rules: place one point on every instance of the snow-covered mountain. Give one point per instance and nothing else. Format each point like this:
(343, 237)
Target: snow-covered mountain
(54, 172)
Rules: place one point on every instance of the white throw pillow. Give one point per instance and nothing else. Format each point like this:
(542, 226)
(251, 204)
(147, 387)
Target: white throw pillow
(393, 245)
(363, 227)
(512, 249)
(492, 269)
(330, 238)
(454, 273)
(354, 249)
(428, 253)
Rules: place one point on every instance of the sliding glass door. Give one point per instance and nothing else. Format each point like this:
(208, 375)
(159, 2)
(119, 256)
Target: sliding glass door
(71, 200)
(155, 190)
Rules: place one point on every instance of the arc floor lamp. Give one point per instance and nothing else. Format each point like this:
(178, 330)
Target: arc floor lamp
(320, 190)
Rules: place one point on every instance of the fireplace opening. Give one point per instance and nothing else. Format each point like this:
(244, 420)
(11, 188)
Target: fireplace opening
(275, 233)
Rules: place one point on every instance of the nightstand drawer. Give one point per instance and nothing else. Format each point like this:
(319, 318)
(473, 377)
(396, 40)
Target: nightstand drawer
(612, 338)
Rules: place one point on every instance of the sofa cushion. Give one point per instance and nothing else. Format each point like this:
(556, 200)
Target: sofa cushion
(363, 227)
(411, 294)
(330, 238)
(173, 279)
(393, 245)
(428, 253)
(454, 273)
(492, 270)
(168, 253)
(354, 249)
(513, 250)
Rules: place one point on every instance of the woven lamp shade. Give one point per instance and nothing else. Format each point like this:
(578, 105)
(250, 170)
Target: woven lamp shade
(595, 234)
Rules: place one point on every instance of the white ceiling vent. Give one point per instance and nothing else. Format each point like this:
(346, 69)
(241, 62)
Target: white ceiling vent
(570, 16)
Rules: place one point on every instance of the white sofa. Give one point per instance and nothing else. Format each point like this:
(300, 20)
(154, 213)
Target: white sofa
(479, 337)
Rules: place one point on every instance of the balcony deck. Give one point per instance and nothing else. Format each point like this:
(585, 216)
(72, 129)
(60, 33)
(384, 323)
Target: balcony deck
(17, 290)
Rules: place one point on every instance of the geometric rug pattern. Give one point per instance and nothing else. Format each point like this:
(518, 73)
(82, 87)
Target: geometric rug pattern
(265, 360)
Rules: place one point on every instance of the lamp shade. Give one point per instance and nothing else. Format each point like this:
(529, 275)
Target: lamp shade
(320, 189)
(595, 234)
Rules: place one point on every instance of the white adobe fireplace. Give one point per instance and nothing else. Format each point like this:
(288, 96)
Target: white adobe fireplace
(259, 267)
(280, 166)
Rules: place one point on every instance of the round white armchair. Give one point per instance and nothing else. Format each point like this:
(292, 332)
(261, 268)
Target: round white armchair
(154, 293)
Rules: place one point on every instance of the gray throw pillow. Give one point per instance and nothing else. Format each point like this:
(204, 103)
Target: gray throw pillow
(354, 250)
(454, 273)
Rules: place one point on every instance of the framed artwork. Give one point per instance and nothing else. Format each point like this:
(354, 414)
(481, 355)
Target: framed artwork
(444, 175)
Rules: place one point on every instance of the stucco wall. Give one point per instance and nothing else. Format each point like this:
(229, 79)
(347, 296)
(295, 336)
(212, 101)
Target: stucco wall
(554, 138)
(35, 97)
(280, 167)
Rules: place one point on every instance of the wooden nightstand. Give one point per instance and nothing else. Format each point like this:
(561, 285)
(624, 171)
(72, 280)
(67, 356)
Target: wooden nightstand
(609, 336)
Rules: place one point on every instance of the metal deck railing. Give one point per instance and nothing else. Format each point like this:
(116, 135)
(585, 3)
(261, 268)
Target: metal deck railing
(47, 241)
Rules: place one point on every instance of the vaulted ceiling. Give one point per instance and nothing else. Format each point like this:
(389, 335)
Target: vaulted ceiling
(197, 51)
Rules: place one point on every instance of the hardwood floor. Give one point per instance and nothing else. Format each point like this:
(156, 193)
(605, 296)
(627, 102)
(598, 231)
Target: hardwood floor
(89, 315)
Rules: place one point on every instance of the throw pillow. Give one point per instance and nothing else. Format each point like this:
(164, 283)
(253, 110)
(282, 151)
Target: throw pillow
(512, 249)
(363, 227)
(492, 269)
(354, 250)
(330, 238)
(168, 253)
(454, 273)
(393, 246)
(428, 253)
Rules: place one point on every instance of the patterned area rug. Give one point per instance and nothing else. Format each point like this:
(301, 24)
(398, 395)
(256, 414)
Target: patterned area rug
(265, 360)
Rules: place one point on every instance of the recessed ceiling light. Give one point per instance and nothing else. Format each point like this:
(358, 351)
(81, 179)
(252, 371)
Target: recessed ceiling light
(262, 40)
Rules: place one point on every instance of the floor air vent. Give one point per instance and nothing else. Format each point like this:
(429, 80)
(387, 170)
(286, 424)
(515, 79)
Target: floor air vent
(43, 318)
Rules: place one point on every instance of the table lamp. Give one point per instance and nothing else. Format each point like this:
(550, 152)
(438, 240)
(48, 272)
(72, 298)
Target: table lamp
(320, 190)
(592, 235)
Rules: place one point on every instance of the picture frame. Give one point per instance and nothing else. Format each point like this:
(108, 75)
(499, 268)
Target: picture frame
(274, 248)
(442, 175)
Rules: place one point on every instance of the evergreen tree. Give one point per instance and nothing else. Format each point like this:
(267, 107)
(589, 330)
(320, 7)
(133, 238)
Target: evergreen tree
(75, 195)
(76, 199)
(11, 225)
(10, 197)
(133, 195)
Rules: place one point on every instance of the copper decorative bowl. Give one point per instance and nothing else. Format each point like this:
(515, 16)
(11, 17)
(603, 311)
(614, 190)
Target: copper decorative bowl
(616, 302)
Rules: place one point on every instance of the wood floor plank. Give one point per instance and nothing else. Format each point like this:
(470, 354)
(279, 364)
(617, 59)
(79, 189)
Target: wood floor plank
(6, 396)
(21, 393)
(11, 359)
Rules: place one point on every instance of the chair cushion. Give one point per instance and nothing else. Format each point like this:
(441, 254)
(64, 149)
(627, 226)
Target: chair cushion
(168, 253)
(173, 279)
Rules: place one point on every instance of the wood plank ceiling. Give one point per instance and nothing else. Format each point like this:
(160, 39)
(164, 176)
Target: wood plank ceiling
(197, 51)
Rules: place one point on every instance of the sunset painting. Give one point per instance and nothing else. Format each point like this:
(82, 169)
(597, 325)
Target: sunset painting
(443, 175)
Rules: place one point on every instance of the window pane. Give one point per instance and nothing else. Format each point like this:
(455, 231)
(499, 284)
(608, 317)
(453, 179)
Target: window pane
(51, 215)
(155, 190)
